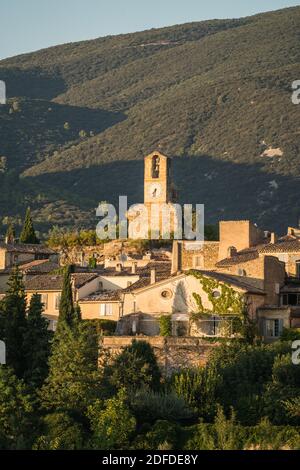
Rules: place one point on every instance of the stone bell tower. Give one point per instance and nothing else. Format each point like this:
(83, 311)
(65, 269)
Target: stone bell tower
(158, 185)
(158, 179)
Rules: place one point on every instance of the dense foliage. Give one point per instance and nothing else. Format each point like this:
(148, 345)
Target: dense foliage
(64, 392)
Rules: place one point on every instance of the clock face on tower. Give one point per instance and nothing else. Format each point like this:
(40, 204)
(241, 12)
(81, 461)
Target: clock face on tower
(155, 190)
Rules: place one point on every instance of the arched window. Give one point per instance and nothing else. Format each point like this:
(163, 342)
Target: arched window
(155, 166)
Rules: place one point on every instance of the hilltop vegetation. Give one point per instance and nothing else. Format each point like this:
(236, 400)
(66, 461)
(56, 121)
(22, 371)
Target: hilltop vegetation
(215, 95)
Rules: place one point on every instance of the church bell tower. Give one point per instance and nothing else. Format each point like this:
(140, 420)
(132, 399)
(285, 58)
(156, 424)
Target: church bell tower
(158, 186)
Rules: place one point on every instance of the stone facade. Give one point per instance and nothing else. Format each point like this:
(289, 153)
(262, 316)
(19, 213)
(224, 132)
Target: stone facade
(203, 256)
(239, 234)
(172, 353)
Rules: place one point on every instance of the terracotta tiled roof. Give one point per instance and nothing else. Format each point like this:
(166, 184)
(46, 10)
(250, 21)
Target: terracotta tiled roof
(27, 248)
(55, 281)
(162, 272)
(113, 272)
(103, 296)
(40, 266)
(237, 281)
(45, 282)
(284, 245)
(240, 257)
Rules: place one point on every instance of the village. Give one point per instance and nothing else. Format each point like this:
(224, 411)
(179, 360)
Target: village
(204, 290)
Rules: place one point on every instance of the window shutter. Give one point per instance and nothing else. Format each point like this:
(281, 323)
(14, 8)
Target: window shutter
(102, 309)
(280, 326)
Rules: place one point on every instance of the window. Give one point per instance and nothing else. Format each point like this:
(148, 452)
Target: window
(198, 261)
(273, 328)
(292, 299)
(155, 166)
(106, 310)
(44, 300)
(298, 269)
(57, 301)
(166, 294)
(216, 294)
(242, 272)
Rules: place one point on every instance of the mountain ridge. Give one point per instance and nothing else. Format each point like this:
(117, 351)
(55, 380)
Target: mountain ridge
(217, 101)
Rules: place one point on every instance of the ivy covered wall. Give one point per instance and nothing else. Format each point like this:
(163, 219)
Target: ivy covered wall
(224, 299)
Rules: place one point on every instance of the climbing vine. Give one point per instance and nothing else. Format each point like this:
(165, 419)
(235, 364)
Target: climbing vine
(228, 302)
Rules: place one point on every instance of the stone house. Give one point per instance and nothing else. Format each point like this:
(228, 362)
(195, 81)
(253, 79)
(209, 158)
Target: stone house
(31, 259)
(12, 254)
(258, 258)
(49, 287)
(175, 295)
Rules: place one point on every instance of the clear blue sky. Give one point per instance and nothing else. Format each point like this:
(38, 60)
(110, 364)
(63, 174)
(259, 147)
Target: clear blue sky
(28, 25)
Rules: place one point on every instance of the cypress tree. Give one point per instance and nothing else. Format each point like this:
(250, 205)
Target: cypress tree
(36, 343)
(14, 322)
(78, 317)
(10, 233)
(28, 233)
(67, 312)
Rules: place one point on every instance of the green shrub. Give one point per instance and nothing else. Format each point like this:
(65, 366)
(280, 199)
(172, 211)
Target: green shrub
(162, 436)
(198, 389)
(92, 262)
(112, 423)
(165, 325)
(134, 368)
(61, 432)
(105, 327)
(149, 406)
(224, 434)
(290, 334)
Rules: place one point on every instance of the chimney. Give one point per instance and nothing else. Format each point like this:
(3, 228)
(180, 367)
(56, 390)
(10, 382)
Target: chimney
(176, 257)
(153, 276)
(119, 267)
(232, 251)
(273, 238)
(291, 231)
(133, 268)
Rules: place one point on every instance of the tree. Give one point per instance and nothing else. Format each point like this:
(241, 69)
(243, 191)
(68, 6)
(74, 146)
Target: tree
(113, 424)
(68, 314)
(92, 262)
(13, 322)
(224, 434)
(61, 432)
(77, 312)
(28, 233)
(149, 406)
(135, 367)
(36, 343)
(16, 411)
(165, 325)
(73, 381)
(10, 233)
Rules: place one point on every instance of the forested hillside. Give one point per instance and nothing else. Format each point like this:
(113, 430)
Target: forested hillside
(214, 95)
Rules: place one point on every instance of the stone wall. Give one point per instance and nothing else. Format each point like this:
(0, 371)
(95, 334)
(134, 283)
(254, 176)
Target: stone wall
(204, 257)
(172, 353)
(240, 234)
